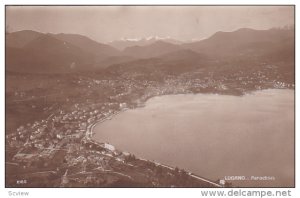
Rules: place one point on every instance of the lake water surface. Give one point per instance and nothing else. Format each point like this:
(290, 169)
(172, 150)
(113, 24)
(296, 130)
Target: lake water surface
(212, 135)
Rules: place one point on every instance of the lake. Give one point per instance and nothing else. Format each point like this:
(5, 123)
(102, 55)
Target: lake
(214, 136)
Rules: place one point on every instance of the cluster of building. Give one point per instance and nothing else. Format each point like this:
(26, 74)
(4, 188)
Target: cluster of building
(63, 140)
(67, 132)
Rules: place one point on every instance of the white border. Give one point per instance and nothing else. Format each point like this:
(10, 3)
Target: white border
(133, 192)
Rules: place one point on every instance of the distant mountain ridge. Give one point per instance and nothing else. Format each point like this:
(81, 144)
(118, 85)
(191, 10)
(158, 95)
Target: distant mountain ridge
(38, 52)
(21, 38)
(30, 51)
(244, 40)
(46, 54)
(88, 44)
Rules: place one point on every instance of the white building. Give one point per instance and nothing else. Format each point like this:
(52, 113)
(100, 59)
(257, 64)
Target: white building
(109, 147)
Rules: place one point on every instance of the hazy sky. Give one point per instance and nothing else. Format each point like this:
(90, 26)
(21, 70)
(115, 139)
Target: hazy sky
(106, 23)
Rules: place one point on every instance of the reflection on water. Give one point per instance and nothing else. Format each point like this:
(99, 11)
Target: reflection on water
(213, 135)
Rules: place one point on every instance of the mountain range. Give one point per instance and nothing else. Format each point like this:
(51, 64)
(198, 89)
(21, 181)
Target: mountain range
(30, 51)
(124, 43)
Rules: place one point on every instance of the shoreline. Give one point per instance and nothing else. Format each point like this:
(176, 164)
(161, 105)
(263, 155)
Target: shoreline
(90, 133)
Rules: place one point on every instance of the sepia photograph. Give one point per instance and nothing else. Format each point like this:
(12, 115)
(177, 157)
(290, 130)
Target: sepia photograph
(149, 96)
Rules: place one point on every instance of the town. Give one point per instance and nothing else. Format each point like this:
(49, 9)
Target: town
(52, 143)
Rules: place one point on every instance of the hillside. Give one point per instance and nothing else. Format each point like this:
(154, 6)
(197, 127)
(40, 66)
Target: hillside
(172, 63)
(29, 51)
(98, 49)
(21, 38)
(47, 54)
(243, 42)
(155, 49)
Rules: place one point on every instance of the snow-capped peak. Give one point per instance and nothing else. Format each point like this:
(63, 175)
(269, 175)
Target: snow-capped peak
(146, 38)
(130, 39)
(157, 38)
